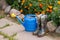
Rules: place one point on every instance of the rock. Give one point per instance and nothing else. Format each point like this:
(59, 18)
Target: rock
(58, 30)
(3, 4)
(16, 12)
(7, 9)
(51, 27)
(13, 29)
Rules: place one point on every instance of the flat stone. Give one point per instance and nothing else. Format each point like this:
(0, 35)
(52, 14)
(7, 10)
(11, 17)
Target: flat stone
(3, 4)
(28, 36)
(51, 27)
(4, 21)
(7, 9)
(12, 29)
(16, 12)
(58, 30)
(4, 39)
(1, 37)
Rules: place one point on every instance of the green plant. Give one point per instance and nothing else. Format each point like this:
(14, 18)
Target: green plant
(15, 5)
(30, 6)
(55, 15)
(10, 2)
(56, 18)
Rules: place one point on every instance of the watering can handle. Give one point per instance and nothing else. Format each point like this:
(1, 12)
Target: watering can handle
(19, 20)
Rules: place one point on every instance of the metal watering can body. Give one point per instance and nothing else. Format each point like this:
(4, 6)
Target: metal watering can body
(30, 22)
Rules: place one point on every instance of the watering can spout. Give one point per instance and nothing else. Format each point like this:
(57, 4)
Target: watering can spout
(19, 20)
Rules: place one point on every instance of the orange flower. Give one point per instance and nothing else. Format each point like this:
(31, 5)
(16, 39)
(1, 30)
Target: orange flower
(21, 10)
(50, 7)
(40, 5)
(43, 12)
(47, 9)
(58, 2)
(23, 1)
(50, 11)
(30, 4)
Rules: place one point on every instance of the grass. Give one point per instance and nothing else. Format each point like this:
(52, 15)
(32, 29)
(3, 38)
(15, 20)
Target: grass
(1, 17)
(6, 36)
(4, 26)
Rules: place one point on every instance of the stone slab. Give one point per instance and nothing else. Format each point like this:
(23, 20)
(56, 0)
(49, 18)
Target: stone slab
(12, 29)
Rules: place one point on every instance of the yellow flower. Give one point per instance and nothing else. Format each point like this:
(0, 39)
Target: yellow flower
(58, 2)
(23, 1)
(50, 7)
(47, 9)
(21, 10)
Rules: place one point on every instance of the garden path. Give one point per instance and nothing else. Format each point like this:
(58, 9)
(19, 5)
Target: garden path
(11, 29)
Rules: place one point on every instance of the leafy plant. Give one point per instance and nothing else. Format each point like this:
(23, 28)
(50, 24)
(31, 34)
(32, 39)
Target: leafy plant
(10, 2)
(15, 5)
(56, 18)
(55, 15)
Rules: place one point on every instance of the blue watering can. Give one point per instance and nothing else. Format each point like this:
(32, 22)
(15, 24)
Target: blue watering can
(30, 22)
